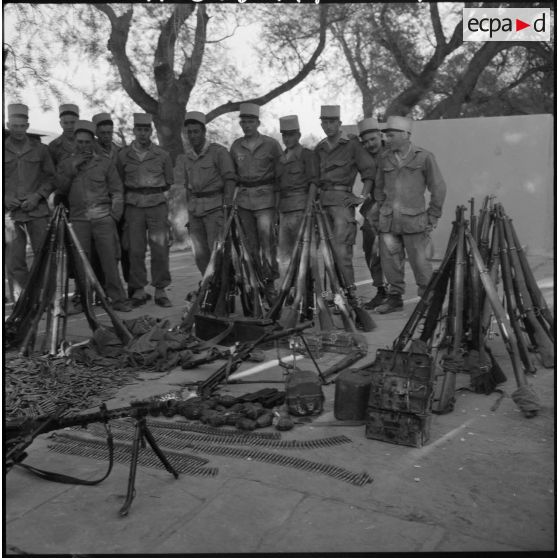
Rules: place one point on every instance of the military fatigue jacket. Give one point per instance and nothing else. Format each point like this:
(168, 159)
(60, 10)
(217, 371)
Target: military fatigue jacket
(205, 176)
(297, 170)
(94, 191)
(369, 202)
(338, 169)
(145, 180)
(256, 171)
(61, 148)
(28, 171)
(112, 154)
(400, 187)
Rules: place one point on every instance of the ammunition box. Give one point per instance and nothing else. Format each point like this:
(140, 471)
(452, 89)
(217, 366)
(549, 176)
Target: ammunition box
(398, 428)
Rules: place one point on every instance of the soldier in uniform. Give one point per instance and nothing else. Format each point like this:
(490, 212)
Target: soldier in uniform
(209, 180)
(371, 138)
(104, 130)
(147, 173)
(340, 158)
(256, 158)
(64, 146)
(29, 179)
(298, 169)
(404, 222)
(95, 197)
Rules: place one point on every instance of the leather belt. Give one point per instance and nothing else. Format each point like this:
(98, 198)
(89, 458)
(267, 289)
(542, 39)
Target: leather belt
(148, 190)
(255, 183)
(337, 188)
(208, 194)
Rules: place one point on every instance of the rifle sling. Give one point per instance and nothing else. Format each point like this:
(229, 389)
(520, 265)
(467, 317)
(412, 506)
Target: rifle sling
(66, 479)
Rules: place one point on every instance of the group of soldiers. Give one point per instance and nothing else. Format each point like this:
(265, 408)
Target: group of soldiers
(117, 197)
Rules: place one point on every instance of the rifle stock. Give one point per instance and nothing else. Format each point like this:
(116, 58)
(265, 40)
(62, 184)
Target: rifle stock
(363, 318)
(524, 302)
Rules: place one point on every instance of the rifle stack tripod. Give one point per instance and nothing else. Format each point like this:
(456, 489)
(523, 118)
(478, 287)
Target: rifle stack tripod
(479, 252)
(302, 296)
(46, 292)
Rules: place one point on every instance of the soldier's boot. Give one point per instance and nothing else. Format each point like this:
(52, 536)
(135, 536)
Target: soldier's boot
(378, 300)
(393, 303)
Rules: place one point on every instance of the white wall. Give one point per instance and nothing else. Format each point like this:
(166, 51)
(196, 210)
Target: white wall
(511, 157)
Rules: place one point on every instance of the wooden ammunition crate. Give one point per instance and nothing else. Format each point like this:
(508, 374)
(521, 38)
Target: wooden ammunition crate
(397, 428)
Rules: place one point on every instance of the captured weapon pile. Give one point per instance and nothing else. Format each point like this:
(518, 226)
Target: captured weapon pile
(60, 257)
(397, 393)
(302, 296)
(488, 248)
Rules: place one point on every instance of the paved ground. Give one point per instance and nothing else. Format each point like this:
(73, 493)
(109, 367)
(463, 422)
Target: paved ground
(485, 482)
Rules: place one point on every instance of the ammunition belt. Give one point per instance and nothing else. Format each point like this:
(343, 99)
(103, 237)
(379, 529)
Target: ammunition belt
(206, 194)
(96, 449)
(147, 190)
(178, 439)
(255, 183)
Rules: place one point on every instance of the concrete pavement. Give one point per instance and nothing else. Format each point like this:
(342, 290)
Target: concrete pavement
(485, 481)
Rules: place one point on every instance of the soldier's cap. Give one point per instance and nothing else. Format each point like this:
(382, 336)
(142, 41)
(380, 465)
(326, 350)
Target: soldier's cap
(249, 109)
(18, 109)
(194, 116)
(330, 111)
(69, 109)
(102, 118)
(289, 123)
(84, 126)
(398, 124)
(368, 125)
(142, 119)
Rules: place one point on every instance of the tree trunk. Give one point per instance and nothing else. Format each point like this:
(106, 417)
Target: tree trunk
(168, 123)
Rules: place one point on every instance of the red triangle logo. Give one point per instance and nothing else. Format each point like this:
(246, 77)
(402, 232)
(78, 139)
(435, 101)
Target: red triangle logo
(519, 25)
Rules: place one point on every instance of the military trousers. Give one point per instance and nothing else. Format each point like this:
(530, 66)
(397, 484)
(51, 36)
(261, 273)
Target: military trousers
(344, 229)
(204, 231)
(289, 225)
(148, 225)
(372, 257)
(258, 226)
(16, 233)
(392, 253)
(103, 233)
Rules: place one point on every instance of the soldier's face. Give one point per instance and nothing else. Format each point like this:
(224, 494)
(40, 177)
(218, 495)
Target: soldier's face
(142, 134)
(331, 126)
(372, 142)
(196, 135)
(249, 125)
(18, 126)
(290, 139)
(68, 122)
(84, 142)
(104, 134)
(396, 139)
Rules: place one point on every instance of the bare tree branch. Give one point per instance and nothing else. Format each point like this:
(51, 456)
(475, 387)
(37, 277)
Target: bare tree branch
(232, 106)
(437, 24)
(191, 66)
(120, 27)
(164, 53)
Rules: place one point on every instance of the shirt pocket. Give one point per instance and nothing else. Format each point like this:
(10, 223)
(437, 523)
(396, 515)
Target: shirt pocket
(263, 164)
(413, 219)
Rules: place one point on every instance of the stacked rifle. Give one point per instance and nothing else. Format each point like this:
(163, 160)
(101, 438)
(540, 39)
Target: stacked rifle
(303, 295)
(458, 330)
(46, 292)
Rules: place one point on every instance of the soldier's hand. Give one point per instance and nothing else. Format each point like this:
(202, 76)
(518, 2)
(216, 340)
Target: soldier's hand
(31, 202)
(13, 204)
(81, 159)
